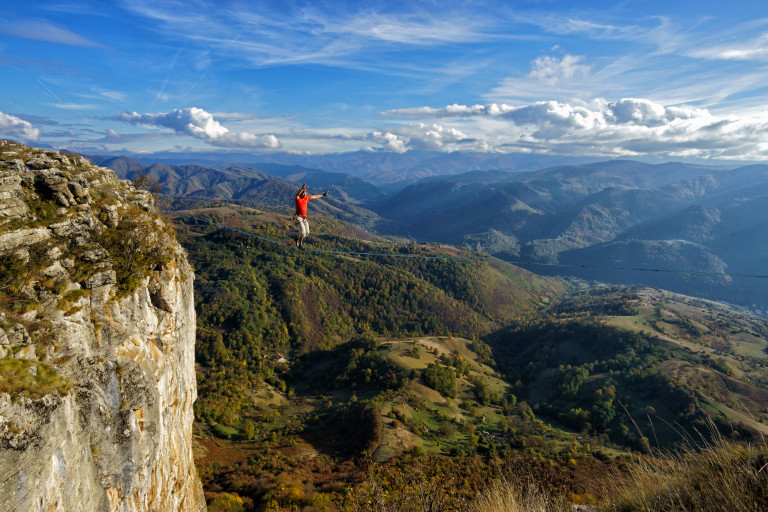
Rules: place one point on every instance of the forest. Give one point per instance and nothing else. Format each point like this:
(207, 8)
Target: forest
(255, 300)
(378, 363)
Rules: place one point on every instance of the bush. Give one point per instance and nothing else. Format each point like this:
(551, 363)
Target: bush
(227, 503)
(440, 378)
(136, 246)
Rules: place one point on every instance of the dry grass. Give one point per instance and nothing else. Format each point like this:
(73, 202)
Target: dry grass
(712, 475)
(508, 496)
(724, 476)
(716, 475)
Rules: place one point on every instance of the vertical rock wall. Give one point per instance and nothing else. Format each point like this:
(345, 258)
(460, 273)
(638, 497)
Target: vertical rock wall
(97, 376)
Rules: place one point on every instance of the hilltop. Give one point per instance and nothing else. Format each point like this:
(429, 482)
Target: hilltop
(544, 369)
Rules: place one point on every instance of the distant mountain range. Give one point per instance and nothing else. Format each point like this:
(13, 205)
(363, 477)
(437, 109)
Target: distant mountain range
(692, 218)
(386, 170)
(610, 214)
(270, 185)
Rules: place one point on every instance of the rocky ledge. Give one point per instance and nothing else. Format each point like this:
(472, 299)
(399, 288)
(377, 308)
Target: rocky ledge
(97, 330)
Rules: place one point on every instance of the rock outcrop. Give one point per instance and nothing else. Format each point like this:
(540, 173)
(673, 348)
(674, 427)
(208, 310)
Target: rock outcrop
(97, 329)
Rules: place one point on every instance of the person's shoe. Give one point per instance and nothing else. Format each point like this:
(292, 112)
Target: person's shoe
(302, 248)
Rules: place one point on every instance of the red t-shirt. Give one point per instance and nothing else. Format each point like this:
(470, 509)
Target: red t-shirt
(301, 205)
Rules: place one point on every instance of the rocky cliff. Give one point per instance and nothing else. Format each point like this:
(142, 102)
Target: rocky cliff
(97, 330)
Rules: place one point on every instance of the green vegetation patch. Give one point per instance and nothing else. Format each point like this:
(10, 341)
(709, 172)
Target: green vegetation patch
(441, 378)
(136, 247)
(68, 299)
(32, 379)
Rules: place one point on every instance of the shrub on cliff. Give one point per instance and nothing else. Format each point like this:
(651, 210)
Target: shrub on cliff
(136, 245)
(32, 379)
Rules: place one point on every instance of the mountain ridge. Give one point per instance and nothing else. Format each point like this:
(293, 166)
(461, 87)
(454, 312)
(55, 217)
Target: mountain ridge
(590, 214)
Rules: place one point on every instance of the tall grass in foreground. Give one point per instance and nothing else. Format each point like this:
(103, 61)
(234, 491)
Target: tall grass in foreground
(724, 476)
(712, 475)
(509, 496)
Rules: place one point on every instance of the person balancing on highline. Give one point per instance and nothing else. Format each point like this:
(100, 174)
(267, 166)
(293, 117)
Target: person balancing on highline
(302, 198)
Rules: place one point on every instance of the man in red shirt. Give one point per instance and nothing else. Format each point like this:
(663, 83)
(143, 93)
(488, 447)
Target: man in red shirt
(302, 198)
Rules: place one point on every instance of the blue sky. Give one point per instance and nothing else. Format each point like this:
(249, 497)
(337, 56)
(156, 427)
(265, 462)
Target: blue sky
(652, 79)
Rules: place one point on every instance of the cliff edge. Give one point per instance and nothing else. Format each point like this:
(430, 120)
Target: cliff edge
(97, 333)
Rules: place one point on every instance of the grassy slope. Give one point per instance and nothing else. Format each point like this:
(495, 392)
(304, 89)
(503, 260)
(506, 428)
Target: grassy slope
(301, 425)
(728, 370)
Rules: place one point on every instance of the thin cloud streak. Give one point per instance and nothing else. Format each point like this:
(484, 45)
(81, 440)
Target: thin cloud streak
(42, 30)
(756, 49)
(73, 106)
(336, 37)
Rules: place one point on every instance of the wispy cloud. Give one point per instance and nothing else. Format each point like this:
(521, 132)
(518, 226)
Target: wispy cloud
(553, 70)
(754, 49)
(116, 96)
(42, 30)
(200, 124)
(657, 57)
(344, 35)
(73, 106)
(411, 28)
(661, 78)
(656, 32)
(13, 127)
(561, 78)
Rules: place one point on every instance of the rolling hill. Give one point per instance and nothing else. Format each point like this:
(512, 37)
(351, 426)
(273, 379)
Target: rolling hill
(541, 369)
(698, 219)
(610, 214)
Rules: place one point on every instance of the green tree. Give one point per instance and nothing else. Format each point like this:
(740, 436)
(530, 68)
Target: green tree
(440, 378)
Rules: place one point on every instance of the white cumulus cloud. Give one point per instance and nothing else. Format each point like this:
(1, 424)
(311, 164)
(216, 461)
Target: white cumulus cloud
(553, 70)
(418, 136)
(389, 141)
(627, 127)
(202, 125)
(12, 127)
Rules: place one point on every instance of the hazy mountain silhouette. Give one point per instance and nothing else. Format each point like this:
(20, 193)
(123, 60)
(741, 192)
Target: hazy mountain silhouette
(621, 213)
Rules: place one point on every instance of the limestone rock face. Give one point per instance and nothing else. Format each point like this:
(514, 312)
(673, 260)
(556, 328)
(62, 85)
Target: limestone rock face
(97, 333)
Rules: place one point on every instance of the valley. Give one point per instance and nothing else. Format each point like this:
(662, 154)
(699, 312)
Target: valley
(371, 367)
(531, 277)
(565, 372)
(701, 226)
